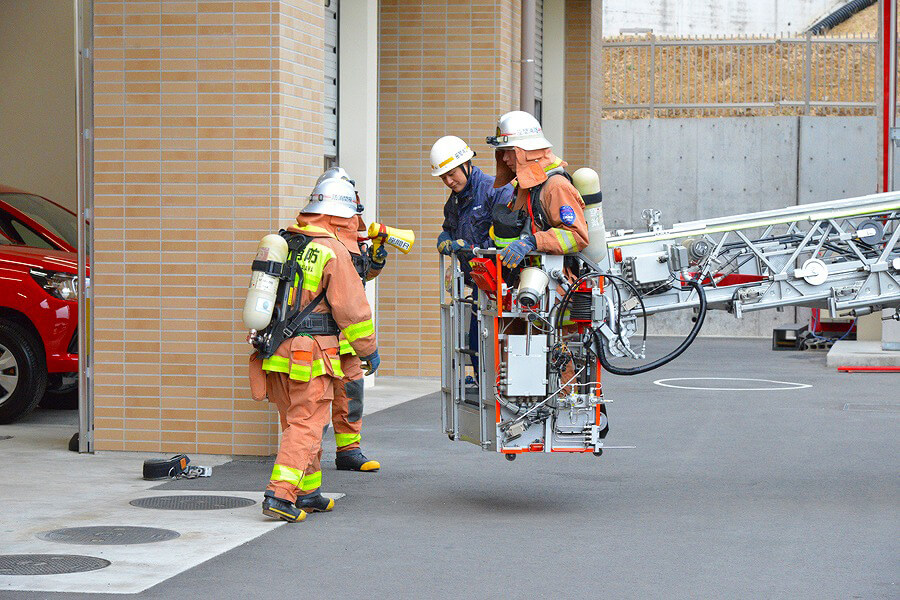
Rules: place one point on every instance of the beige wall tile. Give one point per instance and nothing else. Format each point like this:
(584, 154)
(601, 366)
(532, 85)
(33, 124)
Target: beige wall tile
(183, 103)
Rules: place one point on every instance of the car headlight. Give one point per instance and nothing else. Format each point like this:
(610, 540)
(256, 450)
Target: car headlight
(62, 285)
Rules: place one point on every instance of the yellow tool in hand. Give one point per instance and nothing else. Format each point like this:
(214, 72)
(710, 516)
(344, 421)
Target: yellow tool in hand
(401, 239)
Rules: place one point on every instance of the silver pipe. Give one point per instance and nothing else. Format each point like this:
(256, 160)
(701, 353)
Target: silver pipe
(84, 10)
(526, 94)
(891, 86)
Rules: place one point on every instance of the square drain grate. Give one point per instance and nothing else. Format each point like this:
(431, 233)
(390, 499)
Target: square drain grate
(193, 502)
(102, 535)
(49, 564)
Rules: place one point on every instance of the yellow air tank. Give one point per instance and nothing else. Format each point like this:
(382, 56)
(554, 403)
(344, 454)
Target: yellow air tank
(263, 287)
(587, 182)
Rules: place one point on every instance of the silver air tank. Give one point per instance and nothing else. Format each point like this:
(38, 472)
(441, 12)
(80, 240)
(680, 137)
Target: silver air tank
(587, 182)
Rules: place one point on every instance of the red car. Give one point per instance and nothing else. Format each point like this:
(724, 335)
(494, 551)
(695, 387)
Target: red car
(38, 303)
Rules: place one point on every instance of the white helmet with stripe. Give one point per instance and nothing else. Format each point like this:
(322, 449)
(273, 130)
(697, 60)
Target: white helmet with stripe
(448, 153)
(518, 129)
(332, 196)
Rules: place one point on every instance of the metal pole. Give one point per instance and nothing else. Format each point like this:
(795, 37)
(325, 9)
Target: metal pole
(807, 72)
(84, 11)
(652, 73)
(526, 95)
(887, 76)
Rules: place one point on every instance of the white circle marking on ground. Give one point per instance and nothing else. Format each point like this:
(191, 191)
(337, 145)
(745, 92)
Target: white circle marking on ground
(782, 385)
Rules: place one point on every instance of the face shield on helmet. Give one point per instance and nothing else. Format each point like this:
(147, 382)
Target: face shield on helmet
(448, 153)
(520, 130)
(332, 196)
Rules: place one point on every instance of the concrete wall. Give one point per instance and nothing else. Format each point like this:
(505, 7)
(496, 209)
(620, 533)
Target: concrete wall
(690, 17)
(696, 168)
(37, 103)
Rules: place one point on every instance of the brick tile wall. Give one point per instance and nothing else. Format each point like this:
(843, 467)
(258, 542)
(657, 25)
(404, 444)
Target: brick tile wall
(445, 69)
(208, 135)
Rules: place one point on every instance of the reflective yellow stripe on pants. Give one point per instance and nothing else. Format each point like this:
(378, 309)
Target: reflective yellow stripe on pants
(345, 439)
(277, 364)
(286, 474)
(311, 481)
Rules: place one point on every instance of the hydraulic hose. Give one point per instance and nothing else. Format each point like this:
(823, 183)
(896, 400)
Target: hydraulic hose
(840, 15)
(604, 360)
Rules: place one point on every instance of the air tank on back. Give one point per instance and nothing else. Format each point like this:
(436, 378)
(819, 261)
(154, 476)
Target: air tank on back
(587, 182)
(263, 286)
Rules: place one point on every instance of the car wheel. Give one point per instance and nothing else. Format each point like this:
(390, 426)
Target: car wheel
(23, 372)
(61, 392)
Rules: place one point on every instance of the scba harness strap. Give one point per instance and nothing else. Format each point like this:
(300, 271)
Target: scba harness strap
(511, 224)
(290, 320)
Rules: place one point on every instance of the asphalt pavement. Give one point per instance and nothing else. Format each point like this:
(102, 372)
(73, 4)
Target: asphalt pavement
(736, 493)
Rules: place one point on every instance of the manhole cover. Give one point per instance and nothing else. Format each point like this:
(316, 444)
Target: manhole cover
(48, 564)
(193, 502)
(108, 535)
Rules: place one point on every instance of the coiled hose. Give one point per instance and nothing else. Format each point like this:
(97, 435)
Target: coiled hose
(840, 15)
(604, 360)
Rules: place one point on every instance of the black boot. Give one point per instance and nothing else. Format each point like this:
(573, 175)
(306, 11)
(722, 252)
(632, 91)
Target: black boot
(355, 460)
(281, 509)
(314, 503)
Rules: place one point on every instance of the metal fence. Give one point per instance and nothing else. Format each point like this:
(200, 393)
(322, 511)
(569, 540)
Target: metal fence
(652, 76)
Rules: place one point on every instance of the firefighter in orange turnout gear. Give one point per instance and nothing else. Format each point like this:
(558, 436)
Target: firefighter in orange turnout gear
(301, 376)
(553, 206)
(347, 406)
(346, 410)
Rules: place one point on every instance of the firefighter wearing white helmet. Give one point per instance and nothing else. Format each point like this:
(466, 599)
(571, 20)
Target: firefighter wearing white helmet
(347, 406)
(547, 206)
(520, 130)
(448, 153)
(332, 196)
(467, 212)
(300, 375)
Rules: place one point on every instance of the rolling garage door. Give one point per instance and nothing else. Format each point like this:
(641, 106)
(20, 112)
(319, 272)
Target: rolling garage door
(331, 82)
(538, 58)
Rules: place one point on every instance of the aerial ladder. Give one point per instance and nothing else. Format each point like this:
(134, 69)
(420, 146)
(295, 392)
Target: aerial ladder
(546, 332)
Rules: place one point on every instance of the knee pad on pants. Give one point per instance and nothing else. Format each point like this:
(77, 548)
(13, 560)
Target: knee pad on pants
(354, 391)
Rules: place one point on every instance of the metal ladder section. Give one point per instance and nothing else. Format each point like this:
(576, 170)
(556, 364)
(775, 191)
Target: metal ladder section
(464, 416)
(842, 255)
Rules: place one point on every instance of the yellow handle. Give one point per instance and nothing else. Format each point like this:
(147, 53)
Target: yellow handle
(401, 239)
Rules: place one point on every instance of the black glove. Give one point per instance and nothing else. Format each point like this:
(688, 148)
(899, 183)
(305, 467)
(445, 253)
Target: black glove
(378, 257)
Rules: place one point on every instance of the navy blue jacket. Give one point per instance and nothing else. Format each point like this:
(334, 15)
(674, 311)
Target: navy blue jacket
(467, 215)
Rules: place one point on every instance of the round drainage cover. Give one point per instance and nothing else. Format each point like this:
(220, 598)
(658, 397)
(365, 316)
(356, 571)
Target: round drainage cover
(48, 564)
(193, 502)
(108, 535)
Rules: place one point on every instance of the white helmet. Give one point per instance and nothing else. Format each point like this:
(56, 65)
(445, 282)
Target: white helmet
(519, 129)
(335, 173)
(448, 153)
(333, 197)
